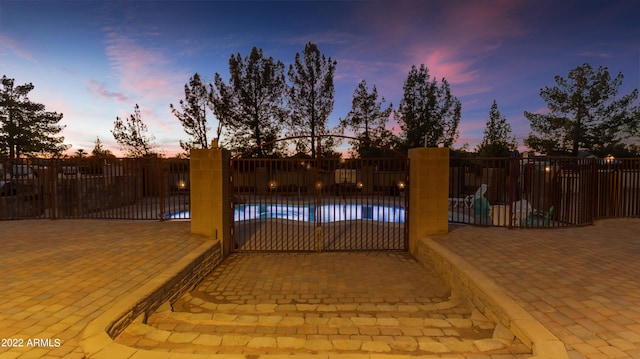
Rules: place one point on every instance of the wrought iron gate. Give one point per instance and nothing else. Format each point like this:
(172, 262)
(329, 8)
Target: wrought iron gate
(323, 204)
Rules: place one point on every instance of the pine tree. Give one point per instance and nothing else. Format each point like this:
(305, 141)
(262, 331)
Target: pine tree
(132, 135)
(428, 114)
(193, 116)
(99, 151)
(311, 95)
(252, 102)
(585, 114)
(26, 128)
(497, 140)
(367, 121)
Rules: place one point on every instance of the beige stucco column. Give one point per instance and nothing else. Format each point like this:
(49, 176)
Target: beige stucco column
(428, 193)
(210, 203)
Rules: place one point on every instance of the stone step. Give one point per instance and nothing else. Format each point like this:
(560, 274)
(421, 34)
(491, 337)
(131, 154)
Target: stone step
(198, 341)
(262, 329)
(197, 305)
(344, 320)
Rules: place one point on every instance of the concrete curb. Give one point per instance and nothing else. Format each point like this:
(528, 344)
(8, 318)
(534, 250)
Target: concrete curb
(478, 290)
(96, 340)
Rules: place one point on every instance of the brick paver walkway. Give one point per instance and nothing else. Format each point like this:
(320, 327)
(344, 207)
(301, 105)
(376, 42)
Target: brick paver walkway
(296, 303)
(583, 284)
(57, 276)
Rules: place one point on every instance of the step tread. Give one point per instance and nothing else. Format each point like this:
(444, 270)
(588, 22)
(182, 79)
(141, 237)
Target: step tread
(296, 319)
(190, 303)
(144, 336)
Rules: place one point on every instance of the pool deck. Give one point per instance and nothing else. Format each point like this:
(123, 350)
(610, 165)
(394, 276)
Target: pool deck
(58, 276)
(580, 283)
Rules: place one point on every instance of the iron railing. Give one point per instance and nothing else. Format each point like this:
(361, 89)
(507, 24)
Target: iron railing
(325, 204)
(139, 189)
(520, 192)
(542, 192)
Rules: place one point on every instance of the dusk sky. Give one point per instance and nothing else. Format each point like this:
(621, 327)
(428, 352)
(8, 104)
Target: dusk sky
(94, 60)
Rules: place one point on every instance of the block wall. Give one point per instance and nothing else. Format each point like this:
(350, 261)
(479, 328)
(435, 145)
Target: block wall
(428, 193)
(209, 202)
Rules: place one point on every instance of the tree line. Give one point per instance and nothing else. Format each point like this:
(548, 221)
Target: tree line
(261, 102)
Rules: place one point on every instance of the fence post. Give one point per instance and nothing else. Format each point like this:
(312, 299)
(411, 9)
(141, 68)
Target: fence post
(161, 183)
(512, 188)
(428, 194)
(209, 199)
(53, 189)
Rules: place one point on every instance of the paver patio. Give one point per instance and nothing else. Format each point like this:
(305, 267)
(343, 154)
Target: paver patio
(57, 276)
(581, 283)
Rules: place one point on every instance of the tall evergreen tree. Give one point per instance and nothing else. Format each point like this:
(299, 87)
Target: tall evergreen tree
(367, 121)
(498, 140)
(193, 116)
(585, 114)
(132, 135)
(26, 128)
(311, 95)
(252, 103)
(99, 151)
(428, 114)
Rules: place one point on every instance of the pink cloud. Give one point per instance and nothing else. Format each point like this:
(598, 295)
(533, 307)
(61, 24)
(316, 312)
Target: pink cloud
(603, 55)
(447, 37)
(16, 48)
(541, 111)
(142, 71)
(471, 22)
(147, 77)
(442, 62)
(99, 89)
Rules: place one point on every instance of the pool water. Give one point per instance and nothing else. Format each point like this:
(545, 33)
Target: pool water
(325, 213)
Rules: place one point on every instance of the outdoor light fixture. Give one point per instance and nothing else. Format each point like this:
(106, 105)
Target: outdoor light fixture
(273, 185)
(401, 185)
(359, 185)
(319, 185)
(182, 184)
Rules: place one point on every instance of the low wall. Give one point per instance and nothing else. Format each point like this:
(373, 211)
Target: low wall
(478, 291)
(167, 287)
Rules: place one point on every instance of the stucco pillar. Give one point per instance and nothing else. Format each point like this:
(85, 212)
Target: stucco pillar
(428, 193)
(210, 203)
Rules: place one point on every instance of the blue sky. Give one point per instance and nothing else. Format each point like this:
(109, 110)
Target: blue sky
(94, 60)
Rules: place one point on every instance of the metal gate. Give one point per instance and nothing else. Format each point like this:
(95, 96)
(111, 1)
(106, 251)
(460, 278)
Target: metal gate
(322, 204)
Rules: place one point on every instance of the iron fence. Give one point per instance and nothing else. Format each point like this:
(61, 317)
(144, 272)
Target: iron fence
(542, 192)
(326, 204)
(139, 189)
(513, 192)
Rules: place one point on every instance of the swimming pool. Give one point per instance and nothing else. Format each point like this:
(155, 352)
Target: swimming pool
(325, 213)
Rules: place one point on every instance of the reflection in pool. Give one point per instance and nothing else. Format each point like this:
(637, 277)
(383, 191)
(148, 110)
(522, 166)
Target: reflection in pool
(326, 212)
